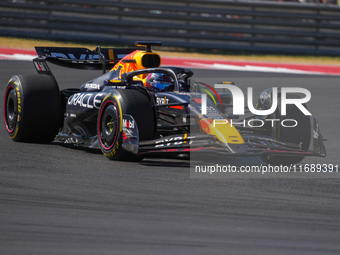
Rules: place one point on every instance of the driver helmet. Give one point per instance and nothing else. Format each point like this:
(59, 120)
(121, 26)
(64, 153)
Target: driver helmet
(158, 81)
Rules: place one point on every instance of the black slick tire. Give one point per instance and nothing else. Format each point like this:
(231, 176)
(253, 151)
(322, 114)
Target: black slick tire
(110, 121)
(32, 108)
(300, 134)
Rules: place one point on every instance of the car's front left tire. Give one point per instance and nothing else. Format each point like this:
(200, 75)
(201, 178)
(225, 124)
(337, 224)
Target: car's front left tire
(110, 122)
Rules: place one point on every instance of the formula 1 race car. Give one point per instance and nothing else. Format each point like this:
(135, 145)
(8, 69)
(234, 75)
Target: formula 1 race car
(139, 108)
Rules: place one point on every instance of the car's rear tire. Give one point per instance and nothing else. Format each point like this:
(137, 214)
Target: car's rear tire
(109, 124)
(32, 108)
(301, 133)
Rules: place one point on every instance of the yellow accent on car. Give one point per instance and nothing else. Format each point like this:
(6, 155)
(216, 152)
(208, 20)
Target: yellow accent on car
(147, 60)
(185, 137)
(120, 114)
(137, 60)
(222, 129)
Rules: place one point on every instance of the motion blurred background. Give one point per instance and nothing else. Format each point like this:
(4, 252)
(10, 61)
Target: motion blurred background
(298, 27)
(56, 199)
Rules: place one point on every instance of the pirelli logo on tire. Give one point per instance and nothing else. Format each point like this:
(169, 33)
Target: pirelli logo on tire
(13, 108)
(113, 152)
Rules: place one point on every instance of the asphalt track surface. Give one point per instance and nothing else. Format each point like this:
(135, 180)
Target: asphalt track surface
(57, 199)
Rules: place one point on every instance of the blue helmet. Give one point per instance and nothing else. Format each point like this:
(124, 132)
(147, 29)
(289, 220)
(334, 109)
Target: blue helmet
(158, 81)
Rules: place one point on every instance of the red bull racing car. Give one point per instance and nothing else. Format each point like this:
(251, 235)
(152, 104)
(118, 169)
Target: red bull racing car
(141, 108)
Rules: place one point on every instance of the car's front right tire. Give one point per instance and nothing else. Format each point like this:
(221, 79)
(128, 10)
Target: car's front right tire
(300, 134)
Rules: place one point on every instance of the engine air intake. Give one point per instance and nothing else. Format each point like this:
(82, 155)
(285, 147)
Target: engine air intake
(151, 60)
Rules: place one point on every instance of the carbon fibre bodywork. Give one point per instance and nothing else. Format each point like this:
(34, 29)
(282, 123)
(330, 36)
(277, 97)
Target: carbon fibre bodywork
(180, 126)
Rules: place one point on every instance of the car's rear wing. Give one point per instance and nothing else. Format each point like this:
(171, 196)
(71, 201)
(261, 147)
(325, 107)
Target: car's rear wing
(82, 58)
